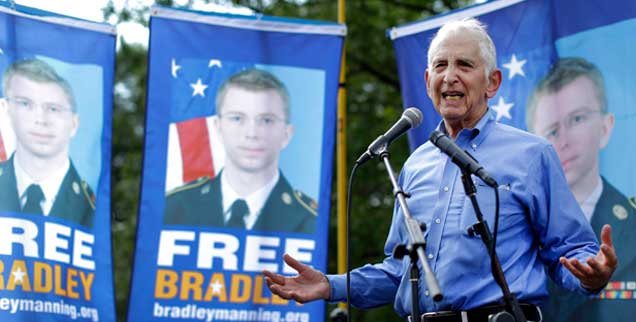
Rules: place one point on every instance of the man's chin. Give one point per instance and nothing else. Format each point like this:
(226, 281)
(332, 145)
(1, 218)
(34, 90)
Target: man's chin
(571, 178)
(251, 167)
(41, 153)
(452, 111)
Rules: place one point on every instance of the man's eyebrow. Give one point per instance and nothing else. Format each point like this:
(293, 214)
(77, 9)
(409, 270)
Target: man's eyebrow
(465, 60)
(548, 127)
(232, 112)
(582, 109)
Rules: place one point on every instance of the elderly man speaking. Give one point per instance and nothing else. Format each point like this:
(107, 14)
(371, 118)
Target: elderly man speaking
(542, 231)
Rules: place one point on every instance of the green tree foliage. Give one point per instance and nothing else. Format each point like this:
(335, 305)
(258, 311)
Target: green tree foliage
(373, 104)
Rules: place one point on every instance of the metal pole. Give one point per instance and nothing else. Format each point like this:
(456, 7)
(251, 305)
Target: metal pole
(341, 156)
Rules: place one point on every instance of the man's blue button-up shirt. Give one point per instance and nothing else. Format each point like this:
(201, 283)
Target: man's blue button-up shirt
(539, 221)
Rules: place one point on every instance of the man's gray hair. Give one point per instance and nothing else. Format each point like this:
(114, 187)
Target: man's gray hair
(38, 71)
(564, 72)
(476, 28)
(254, 80)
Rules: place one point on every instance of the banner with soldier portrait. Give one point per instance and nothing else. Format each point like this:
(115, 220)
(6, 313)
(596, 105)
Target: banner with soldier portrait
(237, 167)
(55, 147)
(568, 75)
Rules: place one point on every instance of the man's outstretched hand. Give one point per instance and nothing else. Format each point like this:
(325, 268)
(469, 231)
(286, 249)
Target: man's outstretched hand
(599, 269)
(308, 285)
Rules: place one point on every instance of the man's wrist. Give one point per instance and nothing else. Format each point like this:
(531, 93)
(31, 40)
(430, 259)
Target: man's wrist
(327, 294)
(592, 289)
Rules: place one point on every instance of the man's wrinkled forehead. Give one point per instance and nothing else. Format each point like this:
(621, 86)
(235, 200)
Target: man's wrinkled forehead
(464, 37)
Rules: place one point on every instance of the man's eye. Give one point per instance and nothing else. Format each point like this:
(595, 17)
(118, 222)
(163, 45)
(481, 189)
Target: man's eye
(235, 118)
(53, 108)
(552, 133)
(22, 103)
(578, 118)
(267, 120)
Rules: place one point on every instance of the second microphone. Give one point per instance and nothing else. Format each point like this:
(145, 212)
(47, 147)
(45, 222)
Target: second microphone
(412, 117)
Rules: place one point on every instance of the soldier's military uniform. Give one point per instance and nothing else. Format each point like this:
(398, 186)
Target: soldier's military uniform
(200, 203)
(617, 302)
(75, 200)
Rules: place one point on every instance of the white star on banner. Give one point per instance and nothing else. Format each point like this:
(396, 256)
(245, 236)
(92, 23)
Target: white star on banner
(198, 88)
(18, 275)
(515, 67)
(216, 287)
(215, 62)
(503, 109)
(1, 51)
(175, 68)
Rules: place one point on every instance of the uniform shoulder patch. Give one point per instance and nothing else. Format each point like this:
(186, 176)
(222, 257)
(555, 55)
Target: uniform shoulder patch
(619, 212)
(189, 185)
(88, 194)
(307, 202)
(632, 202)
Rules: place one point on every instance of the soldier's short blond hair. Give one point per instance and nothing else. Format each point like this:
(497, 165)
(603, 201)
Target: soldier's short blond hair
(254, 80)
(37, 71)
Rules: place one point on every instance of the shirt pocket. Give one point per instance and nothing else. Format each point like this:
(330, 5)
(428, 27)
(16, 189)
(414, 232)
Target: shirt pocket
(511, 211)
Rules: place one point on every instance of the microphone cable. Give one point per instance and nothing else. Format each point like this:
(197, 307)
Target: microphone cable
(348, 235)
(494, 237)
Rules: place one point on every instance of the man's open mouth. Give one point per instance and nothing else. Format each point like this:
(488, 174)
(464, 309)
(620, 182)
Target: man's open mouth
(452, 95)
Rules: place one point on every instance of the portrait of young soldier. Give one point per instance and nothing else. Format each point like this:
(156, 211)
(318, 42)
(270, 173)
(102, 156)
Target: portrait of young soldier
(39, 178)
(569, 108)
(250, 192)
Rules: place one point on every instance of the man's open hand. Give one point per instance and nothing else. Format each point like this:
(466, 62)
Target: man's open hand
(598, 270)
(308, 285)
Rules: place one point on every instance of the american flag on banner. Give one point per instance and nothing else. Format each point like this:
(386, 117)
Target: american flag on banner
(3, 153)
(6, 146)
(194, 150)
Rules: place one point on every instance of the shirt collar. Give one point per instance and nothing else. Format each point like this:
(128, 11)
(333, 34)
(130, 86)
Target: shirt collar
(50, 185)
(589, 204)
(255, 201)
(475, 135)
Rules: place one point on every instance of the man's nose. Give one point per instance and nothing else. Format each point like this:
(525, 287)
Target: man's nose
(450, 74)
(40, 115)
(251, 128)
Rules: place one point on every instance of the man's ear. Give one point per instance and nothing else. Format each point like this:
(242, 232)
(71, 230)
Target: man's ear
(607, 125)
(494, 81)
(4, 108)
(216, 125)
(428, 89)
(4, 105)
(289, 133)
(76, 122)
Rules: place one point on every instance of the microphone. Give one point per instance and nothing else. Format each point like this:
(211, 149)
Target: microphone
(461, 158)
(412, 117)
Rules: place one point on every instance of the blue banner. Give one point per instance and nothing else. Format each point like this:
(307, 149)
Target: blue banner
(568, 75)
(55, 151)
(237, 167)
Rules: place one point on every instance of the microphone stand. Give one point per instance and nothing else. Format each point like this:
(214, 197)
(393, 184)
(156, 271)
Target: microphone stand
(513, 312)
(415, 249)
